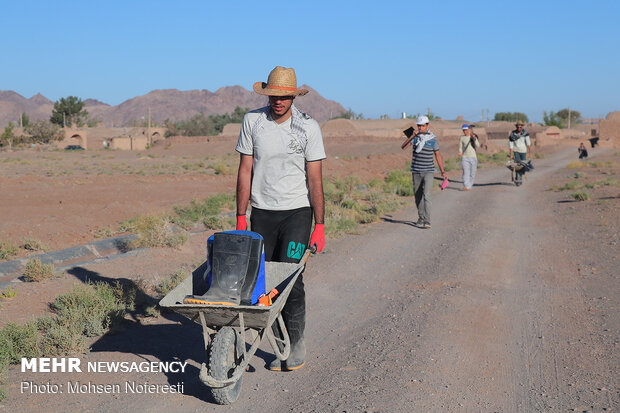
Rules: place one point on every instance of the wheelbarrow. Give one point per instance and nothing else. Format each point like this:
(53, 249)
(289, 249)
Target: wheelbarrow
(227, 328)
(518, 166)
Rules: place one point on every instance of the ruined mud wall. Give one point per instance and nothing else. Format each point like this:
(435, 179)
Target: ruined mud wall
(610, 129)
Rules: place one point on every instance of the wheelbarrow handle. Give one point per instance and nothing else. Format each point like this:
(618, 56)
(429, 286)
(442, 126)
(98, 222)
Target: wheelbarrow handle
(304, 258)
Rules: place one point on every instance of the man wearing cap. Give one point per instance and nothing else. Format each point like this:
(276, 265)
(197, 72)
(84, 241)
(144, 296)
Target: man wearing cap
(469, 159)
(280, 173)
(519, 145)
(425, 145)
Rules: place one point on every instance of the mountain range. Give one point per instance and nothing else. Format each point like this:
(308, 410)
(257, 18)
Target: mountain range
(171, 104)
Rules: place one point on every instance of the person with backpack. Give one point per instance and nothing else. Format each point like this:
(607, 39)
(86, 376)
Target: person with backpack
(520, 145)
(280, 175)
(468, 144)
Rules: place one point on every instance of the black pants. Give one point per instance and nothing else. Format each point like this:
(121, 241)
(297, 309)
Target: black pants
(286, 235)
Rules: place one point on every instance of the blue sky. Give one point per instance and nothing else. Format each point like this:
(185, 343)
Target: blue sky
(456, 57)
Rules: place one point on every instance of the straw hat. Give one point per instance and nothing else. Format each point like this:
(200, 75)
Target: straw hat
(281, 82)
(519, 123)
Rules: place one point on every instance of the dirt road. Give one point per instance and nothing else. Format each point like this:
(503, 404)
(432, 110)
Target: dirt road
(487, 311)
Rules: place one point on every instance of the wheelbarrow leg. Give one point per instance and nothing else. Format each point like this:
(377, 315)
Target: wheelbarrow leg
(281, 345)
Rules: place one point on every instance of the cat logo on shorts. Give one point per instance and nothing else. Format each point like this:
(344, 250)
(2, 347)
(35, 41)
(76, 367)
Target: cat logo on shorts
(295, 250)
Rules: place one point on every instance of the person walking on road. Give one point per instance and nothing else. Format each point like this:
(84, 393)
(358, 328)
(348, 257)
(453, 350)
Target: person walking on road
(468, 144)
(280, 173)
(519, 145)
(425, 146)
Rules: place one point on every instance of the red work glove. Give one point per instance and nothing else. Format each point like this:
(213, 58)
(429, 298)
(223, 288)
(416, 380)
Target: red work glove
(318, 237)
(242, 225)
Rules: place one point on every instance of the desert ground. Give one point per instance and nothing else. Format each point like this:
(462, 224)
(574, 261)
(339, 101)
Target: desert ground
(508, 303)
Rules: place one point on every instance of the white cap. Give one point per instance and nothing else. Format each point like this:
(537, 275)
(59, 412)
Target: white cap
(422, 120)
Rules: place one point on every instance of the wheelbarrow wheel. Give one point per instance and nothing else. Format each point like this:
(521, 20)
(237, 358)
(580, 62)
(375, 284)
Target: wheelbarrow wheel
(225, 354)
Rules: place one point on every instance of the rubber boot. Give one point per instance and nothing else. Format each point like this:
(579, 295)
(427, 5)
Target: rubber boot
(295, 360)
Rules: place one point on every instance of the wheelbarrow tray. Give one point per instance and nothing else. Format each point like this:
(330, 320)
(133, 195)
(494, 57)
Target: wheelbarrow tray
(514, 166)
(278, 275)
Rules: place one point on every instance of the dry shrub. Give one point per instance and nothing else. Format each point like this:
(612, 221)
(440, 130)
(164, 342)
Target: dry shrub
(36, 271)
(103, 232)
(7, 250)
(576, 165)
(172, 282)
(154, 231)
(31, 244)
(580, 196)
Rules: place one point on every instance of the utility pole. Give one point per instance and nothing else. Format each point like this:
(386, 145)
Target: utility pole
(569, 117)
(488, 119)
(64, 120)
(148, 131)
(481, 115)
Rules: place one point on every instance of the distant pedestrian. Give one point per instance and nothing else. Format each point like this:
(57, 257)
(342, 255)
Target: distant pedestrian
(519, 145)
(425, 145)
(583, 152)
(468, 144)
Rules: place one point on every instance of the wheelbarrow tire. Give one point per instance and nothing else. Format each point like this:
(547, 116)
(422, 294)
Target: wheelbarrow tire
(226, 352)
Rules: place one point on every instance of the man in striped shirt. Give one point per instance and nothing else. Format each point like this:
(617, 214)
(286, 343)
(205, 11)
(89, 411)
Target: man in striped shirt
(425, 145)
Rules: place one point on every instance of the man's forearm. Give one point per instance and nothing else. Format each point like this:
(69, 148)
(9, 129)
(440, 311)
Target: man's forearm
(440, 162)
(244, 184)
(243, 195)
(315, 186)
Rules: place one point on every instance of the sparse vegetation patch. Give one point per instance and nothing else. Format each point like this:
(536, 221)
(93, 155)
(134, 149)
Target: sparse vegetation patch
(36, 271)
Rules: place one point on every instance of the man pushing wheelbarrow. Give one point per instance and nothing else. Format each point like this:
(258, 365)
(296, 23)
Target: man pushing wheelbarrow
(520, 146)
(230, 295)
(280, 173)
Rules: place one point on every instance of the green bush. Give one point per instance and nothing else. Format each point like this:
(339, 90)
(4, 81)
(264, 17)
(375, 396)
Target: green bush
(498, 158)
(569, 186)
(399, 182)
(451, 164)
(8, 292)
(197, 211)
(511, 117)
(87, 310)
(17, 341)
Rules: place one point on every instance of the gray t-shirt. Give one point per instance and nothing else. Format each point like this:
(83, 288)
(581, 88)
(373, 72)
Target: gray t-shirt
(279, 170)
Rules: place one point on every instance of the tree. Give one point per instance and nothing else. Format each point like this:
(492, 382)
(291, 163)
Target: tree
(68, 111)
(238, 114)
(511, 117)
(8, 136)
(25, 120)
(552, 119)
(349, 114)
(44, 132)
(429, 115)
(574, 116)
